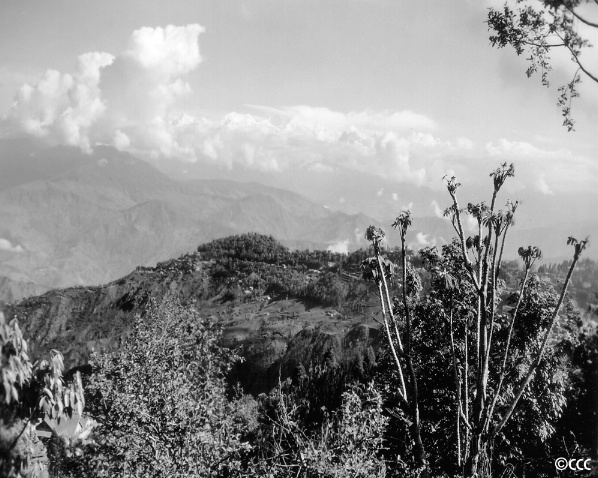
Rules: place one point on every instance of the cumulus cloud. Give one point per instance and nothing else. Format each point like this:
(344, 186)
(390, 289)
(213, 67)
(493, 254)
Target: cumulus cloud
(172, 51)
(136, 101)
(139, 101)
(6, 245)
(122, 100)
(313, 139)
(341, 247)
(64, 106)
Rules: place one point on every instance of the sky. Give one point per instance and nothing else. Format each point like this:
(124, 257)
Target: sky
(304, 94)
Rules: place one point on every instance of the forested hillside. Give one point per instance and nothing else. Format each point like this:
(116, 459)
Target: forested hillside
(307, 337)
(267, 297)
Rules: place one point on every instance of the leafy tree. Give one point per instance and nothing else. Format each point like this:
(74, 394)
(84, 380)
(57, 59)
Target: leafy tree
(347, 444)
(161, 401)
(537, 28)
(380, 270)
(28, 393)
(328, 289)
(492, 361)
(582, 415)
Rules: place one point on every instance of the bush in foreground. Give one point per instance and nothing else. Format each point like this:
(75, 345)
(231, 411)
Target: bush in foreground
(161, 402)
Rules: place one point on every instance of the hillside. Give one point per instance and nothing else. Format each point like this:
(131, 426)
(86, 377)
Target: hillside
(279, 308)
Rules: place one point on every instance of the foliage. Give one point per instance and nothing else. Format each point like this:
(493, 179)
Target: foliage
(161, 401)
(246, 247)
(28, 393)
(67, 457)
(347, 444)
(247, 265)
(477, 359)
(538, 29)
(381, 270)
(471, 363)
(579, 424)
(252, 247)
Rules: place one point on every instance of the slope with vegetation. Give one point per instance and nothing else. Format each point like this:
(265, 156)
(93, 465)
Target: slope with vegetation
(279, 307)
(450, 362)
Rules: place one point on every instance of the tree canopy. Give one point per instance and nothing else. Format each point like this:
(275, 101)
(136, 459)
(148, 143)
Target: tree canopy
(537, 28)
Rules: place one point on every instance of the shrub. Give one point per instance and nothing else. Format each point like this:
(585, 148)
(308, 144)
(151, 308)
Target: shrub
(161, 402)
(28, 393)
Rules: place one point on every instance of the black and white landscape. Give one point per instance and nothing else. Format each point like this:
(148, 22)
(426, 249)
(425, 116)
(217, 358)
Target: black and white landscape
(260, 238)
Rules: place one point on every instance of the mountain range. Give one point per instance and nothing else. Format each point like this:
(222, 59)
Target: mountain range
(69, 218)
(72, 219)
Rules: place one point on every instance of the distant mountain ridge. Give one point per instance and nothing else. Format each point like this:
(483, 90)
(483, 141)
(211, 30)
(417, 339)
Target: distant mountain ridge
(93, 221)
(68, 218)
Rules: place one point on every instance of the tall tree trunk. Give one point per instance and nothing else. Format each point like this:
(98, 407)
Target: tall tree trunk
(457, 386)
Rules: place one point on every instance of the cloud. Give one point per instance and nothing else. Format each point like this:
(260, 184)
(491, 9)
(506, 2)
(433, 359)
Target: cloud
(136, 101)
(5, 245)
(516, 148)
(64, 106)
(341, 247)
(172, 51)
(296, 138)
(471, 224)
(395, 197)
(121, 140)
(438, 212)
(124, 100)
(543, 187)
(324, 120)
(422, 240)
(380, 192)
(320, 168)
(464, 143)
(140, 101)
(560, 168)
